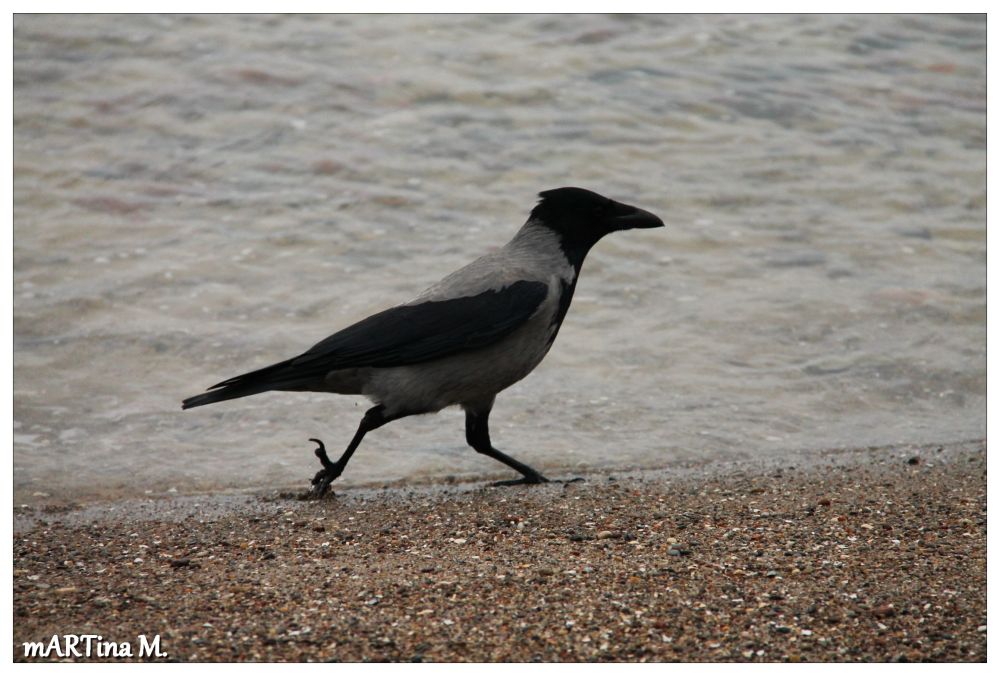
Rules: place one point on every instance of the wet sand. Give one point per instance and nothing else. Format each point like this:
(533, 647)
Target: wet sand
(863, 555)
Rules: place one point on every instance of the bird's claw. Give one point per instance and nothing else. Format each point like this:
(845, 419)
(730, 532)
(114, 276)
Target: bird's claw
(323, 478)
(321, 454)
(527, 479)
(320, 484)
(537, 479)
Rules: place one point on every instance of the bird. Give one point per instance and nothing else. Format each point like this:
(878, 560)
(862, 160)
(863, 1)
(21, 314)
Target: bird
(471, 335)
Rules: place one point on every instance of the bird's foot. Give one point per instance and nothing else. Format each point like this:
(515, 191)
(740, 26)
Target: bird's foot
(537, 479)
(527, 479)
(331, 470)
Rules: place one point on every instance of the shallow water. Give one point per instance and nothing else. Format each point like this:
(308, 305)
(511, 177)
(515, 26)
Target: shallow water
(200, 196)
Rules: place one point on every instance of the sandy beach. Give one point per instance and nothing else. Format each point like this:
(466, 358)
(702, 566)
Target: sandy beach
(856, 555)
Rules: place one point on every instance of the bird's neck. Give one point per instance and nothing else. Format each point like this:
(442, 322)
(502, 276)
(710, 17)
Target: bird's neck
(538, 241)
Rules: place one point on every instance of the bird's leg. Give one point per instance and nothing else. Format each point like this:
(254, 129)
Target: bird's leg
(373, 419)
(477, 433)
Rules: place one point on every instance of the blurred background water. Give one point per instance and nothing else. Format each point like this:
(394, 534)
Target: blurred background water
(198, 196)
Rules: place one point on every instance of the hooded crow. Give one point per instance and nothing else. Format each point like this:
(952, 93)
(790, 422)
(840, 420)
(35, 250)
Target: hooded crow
(476, 332)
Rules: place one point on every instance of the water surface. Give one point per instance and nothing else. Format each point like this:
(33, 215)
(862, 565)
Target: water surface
(200, 196)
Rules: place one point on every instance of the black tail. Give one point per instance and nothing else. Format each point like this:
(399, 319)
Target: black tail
(275, 377)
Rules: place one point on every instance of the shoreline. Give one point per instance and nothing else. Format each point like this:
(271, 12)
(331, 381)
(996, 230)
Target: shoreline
(857, 555)
(221, 499)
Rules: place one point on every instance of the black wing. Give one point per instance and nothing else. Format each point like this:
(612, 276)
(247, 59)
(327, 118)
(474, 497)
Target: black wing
(410, 334)
(399, 336)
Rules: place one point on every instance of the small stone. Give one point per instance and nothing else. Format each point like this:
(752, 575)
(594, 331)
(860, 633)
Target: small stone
(606, 535)
(915, 460)
(885, 610)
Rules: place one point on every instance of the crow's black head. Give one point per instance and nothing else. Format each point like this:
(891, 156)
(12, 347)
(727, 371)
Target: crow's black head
(582, 218)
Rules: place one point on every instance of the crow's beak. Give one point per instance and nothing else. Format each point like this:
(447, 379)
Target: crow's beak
(632, 217)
